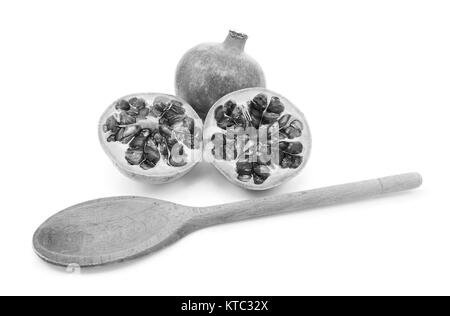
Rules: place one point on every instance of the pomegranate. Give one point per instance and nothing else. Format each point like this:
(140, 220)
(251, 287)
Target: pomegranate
(209, 71)
(256, 138)
(152, 137)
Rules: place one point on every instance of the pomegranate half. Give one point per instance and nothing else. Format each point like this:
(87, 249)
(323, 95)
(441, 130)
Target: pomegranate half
(256, 138)
(151, 136)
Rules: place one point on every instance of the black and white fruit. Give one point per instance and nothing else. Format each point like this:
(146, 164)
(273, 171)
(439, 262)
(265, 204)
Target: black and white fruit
(152, 137)
(209, 71)
(256, 138)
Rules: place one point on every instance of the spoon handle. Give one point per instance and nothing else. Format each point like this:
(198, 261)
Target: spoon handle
(297, 201)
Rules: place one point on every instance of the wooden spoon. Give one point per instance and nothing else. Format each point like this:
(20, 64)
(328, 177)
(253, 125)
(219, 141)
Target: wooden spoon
(115, 229)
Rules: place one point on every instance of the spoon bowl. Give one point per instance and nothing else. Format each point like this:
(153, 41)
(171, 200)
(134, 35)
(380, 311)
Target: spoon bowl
(109, 230)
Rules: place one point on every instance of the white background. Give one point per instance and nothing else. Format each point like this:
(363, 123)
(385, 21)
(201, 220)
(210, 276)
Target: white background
(372, 78)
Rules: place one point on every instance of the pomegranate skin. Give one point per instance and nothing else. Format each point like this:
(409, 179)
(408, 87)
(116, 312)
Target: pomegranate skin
(209, 71)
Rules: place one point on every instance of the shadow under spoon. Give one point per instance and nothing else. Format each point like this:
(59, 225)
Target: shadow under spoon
(114, 229)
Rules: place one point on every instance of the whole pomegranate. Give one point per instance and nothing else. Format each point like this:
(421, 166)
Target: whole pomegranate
(209, 71)
(152, 137)
(256, 138)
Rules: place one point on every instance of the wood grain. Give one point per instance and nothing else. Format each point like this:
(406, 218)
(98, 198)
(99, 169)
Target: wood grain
(115, 229)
